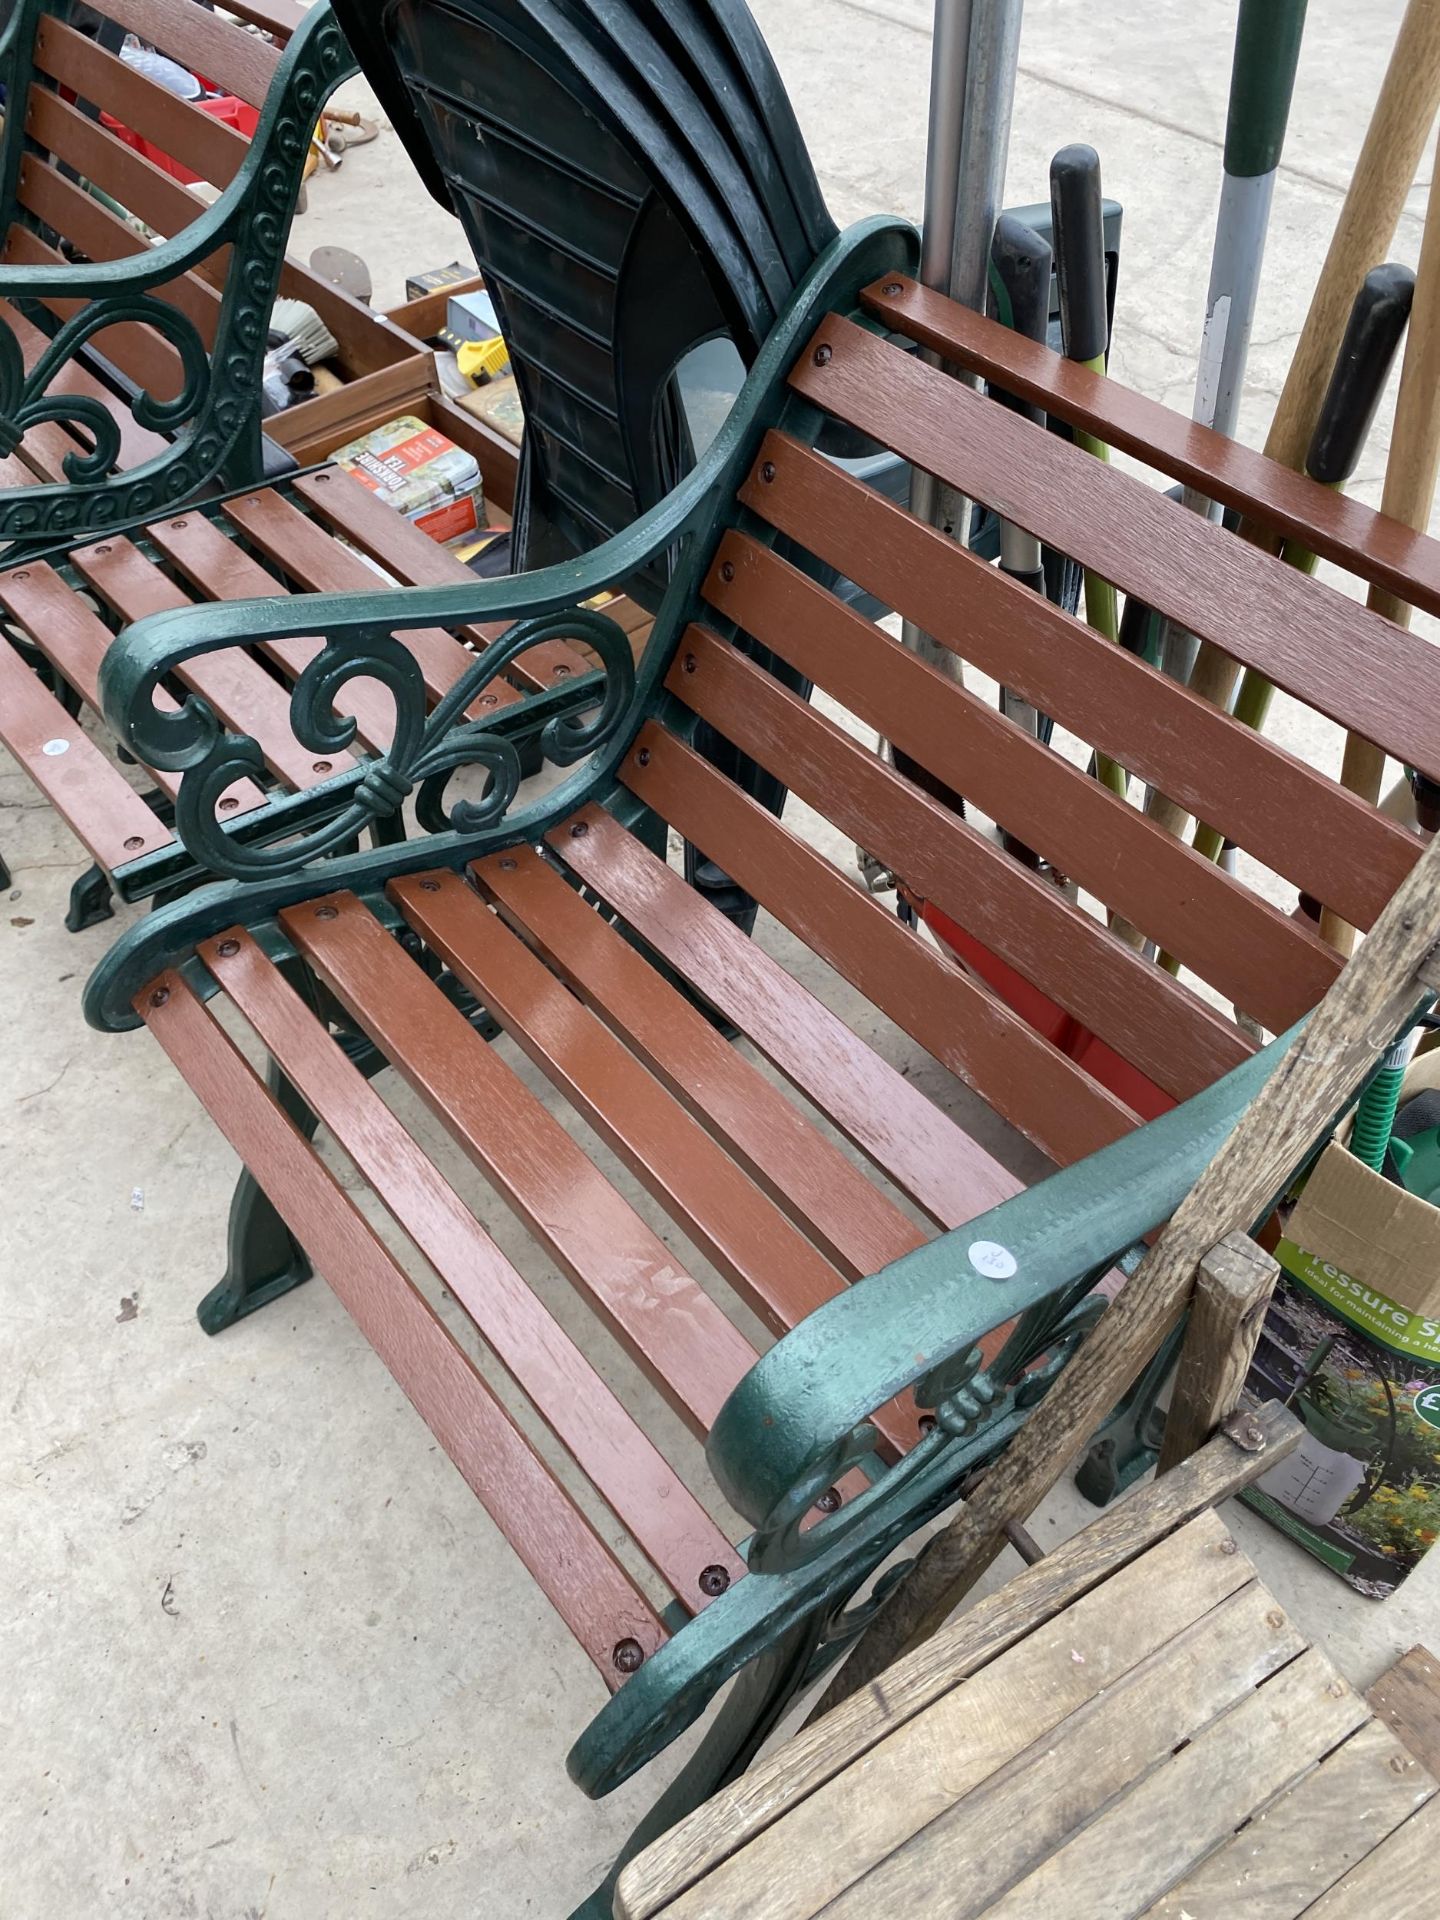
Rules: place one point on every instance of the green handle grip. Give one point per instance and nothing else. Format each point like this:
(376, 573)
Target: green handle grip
(1262, 80)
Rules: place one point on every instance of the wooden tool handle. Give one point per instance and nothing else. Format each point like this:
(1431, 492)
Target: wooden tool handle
(1410, 476)
(1384, 172)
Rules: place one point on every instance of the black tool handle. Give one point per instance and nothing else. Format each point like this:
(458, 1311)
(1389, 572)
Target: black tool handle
(1367, 353)
(1079, 228)
(1020, 263)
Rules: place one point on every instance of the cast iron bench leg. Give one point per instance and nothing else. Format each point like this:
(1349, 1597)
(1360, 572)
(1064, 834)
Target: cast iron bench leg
(760, 1694)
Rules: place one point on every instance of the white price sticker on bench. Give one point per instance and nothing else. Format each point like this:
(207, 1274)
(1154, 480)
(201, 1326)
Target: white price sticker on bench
(993, 1260)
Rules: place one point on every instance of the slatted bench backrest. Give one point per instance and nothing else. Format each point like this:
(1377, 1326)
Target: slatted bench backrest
(1311, 640)
(75, 78)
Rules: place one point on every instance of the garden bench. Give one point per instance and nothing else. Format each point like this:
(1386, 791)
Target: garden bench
(130, 371)
(546, 912)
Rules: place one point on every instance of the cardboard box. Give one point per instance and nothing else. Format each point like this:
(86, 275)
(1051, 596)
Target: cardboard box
(469, 316)
(417, 285)
(1357, 1309)
(421, 473)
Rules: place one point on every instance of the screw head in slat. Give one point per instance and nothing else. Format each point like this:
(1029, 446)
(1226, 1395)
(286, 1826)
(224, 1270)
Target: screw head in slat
(628, 1656)
(822, 356)
(227, 949)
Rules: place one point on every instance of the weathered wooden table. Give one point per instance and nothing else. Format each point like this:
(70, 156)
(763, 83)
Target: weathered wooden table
(1159, 1742)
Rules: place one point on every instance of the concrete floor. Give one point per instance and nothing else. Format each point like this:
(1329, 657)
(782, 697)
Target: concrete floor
(263, 1653)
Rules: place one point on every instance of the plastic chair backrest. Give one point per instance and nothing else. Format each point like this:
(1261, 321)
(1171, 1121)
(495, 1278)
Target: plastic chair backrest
(633, 184)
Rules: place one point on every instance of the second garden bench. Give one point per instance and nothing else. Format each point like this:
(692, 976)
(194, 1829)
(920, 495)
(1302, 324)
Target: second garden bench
(864, 1223)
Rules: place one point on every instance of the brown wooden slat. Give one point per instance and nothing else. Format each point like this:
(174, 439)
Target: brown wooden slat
(141, 187)
(196, 139)
(823, 1191)
(667, 1521)
(45, 446)
(46, 192)
(1337, 526)
(74, 641)
(247, 699)
(222, 570)
(418, 561)
(1273, 966)
(1291, 817)
(926, 1154)
(239, 62)
(676, 1333)
(140, 353)
(573, 1568)
(1352, 665)
(42, 452)
(778, 1273)
(316, 561)
(1182, 1044)
(91, 795)
(278, 17)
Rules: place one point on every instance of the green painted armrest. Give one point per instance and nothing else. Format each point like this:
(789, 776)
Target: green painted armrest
(215, 417)
(809, 1393)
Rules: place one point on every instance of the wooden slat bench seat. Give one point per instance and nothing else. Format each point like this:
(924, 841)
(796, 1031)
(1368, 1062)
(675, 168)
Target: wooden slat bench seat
(89, 224)
(810, 1243)
(265, 543)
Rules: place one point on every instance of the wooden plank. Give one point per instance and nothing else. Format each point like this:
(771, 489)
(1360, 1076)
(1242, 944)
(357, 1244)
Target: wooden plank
(367, 340)
(222, 569)
(46, 192)
(1376, 995)
(1171, 1819)
(779, 1274)
(46, 445)
(1307, 1839)
(1346, 662)
(424, 316)
(314, 429)
(1008, 1824)
(244, 695)
(967, 1029)
(573, 1568)
(849, 1218)
(142, 188)
(792, 1772)
(1338, 527)
(91, 795)
(1029, 1694)
(1407, 1699)
(239, 62)
(906, 1136)
(667, 1521)
(676, 1333)
(1293, 818)
(1178, 1041)
(321, 564)
(418, 561)
(1227, 1310)
(278, 17)
(1396, 1879)
(74, 641)
(1263, 960)
(198, 140)
(140, 352)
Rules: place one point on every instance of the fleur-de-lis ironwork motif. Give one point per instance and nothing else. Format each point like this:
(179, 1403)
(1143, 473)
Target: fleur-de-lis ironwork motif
(426, 750)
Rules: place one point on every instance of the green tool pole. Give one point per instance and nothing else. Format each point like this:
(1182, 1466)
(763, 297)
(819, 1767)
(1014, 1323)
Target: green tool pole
(1079, 234)
(1262, 80)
